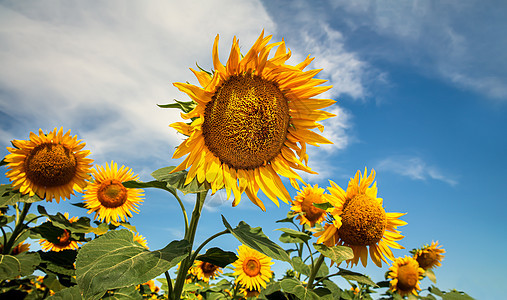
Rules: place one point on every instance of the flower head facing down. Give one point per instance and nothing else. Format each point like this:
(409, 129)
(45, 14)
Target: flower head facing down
(405, 274)
(52, 165)
(253, 269)
(65, 241)
(252, 121)
(108, 198)
(429, 256)
(205, 270)
(360, 221)
(303, 205)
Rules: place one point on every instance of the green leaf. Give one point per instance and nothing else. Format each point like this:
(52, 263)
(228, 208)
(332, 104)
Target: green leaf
(456, 295)
(114, 260)
(61, 262)
(257, 240)
(9, 196)
(271, 288)
(22, 264)
(133, 184)
(176, 180)
(126, 293)
(335, 290)
(323, 271)
(323, 206)
(300, 266)
(297, 236)
(294, 286)
(290, 216)
(186, 107)
(436, 291)
(431, 275)
(218, 257)
(51, 281)
(335, 253)
(80, 226)
(71, 293)
(358, 277)
(3, 162)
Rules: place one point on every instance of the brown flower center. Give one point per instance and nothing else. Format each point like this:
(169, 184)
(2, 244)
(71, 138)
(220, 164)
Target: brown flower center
(112, 193)
(208, 269)
(407, 278)
(64, 239)
(363, 221)
(246, 122)
(50, 165)
(312, 213)
(427, 259)
(252, 267)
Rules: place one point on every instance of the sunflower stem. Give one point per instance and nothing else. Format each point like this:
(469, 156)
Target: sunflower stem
(315, 269)
(169, 282)
(189, 236)
(183, 210)
(18, 228)
(196, 252)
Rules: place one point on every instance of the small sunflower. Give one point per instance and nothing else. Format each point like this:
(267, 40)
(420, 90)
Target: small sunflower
(303, 205)
(253, 269)
(405, 275)
(108, 198)
(19, 248)
(65, 241)
(205, 270)
(360, 221)
(141, 240)
(50, 165)
(429, 256)
(252, 120)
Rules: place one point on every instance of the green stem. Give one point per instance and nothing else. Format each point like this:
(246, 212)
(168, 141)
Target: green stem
(18, 228)
(169, 283)
(189, 236)
(315, 269)
(196, 252)
(184, 212)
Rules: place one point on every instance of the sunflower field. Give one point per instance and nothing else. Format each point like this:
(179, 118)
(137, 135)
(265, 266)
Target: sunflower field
(246, 130)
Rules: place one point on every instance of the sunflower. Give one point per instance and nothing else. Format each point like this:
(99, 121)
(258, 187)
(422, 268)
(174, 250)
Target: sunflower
(405, 275)
(65, 241)
(253, 269)
(205, 270)
(429, 256)
(50, 165)
(252, 120)
(303, 205)
(141, 240)
(359, 221)
(108, 198)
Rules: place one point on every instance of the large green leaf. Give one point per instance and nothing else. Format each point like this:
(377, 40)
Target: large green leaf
(300, 266)
(9, 196)
(71, 293)
(335, 253)
(257, 240)
(61, 262)
(218, 257)
(176, 180)
(126, 293)
(80, 226)
(295, 287)
(115, 260)
(22, 264)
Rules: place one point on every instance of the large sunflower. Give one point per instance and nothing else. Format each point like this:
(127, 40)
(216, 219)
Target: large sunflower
(205, 270)
(360, 221)
(405, 275)
(253, 269)
(303, 204)
(65, 242)
(108, 198)
(50, 165)
(252, 120)
(429, 256)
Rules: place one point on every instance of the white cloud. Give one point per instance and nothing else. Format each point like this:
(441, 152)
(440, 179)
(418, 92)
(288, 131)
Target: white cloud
(101, 68)
(414, 168)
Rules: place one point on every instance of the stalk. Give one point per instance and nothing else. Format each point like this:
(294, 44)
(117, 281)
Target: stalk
(18, 228)
(315, 269)
(189, 236)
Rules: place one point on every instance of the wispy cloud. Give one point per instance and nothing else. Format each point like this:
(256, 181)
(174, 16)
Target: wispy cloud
(414, 168)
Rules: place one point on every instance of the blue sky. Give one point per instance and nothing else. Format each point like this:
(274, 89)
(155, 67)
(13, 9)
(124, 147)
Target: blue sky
(421, 90)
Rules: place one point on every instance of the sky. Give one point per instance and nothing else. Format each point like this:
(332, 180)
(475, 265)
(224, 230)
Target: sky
(421, 91)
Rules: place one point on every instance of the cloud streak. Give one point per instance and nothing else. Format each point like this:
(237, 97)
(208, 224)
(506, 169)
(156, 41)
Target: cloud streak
(414, 168)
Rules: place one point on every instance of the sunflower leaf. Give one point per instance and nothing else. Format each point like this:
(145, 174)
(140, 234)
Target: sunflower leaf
(114, 260)
(218, 257)
(9, 196)
(22, 264)
(176, 180)
(296, 287)
(297, 236)
(335, 253)
(257, 240)
(186, 107)
(360, 278)
(324, 205)
(71, 293)
(61, 262)
(80, 226)
(127, 293)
